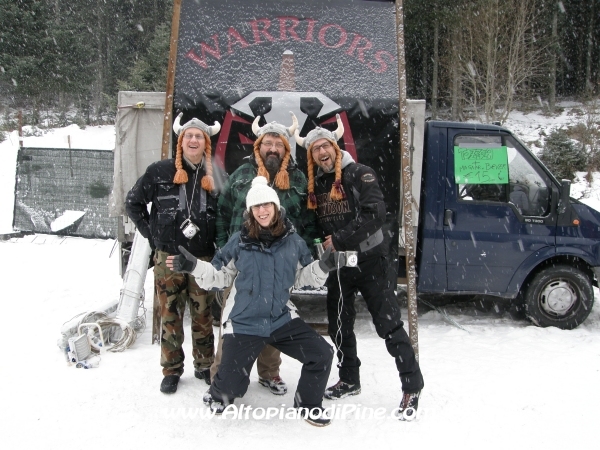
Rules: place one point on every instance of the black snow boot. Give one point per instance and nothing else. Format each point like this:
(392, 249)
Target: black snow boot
(408, 406)
(276, 385)
(315, 416)
(203, 374)
(214, 405)
(169, 384)
(341, 390)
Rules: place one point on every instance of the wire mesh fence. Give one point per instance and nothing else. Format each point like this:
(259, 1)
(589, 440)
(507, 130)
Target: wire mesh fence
(64, 191)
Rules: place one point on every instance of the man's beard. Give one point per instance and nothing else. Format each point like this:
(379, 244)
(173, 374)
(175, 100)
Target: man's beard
(328, 168)
(272, 163)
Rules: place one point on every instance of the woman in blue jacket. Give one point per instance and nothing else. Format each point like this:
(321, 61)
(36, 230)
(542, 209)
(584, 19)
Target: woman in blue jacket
(262, 263)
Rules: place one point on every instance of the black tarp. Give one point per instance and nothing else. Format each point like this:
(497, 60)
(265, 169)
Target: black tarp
(240, 58)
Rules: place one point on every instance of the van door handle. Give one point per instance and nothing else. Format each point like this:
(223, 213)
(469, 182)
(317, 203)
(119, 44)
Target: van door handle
(448, 216)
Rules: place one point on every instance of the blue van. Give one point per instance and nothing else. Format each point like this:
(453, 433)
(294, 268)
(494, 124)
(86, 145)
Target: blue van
(494, 221)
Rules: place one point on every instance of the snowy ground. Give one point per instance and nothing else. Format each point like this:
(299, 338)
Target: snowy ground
(500, 384)
(497, 384)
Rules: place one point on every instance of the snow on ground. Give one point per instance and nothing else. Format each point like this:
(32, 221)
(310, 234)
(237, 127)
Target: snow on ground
(499, 383)
(532, 127)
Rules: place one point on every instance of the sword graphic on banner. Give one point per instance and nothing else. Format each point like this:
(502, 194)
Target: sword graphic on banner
(276, 105)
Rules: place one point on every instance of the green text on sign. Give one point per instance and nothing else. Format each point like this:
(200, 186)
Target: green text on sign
(480, 165)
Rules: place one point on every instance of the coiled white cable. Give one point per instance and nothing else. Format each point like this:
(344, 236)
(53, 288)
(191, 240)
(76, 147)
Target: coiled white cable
(338, 332)
(108, 325)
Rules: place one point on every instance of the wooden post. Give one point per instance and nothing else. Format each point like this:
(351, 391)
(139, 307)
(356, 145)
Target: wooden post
(406, 172)
(166, 136)
(168, 119)
(70, 155)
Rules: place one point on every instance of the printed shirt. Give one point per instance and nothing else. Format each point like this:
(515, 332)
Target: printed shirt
(354, 223)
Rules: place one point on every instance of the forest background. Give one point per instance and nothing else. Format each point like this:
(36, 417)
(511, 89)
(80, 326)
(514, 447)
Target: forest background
(63, 62)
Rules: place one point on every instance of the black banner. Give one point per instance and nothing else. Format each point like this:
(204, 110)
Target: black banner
(241, 58)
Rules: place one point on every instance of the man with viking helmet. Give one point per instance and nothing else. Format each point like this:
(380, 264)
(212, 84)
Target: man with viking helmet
(351, 212)
(184, 194)
(272, 159)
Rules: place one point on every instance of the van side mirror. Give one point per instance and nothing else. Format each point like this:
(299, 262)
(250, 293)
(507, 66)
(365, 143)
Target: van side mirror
(565, 194)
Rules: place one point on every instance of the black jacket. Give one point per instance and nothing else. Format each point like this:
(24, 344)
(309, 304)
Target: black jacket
(162, 227)
(355, 223)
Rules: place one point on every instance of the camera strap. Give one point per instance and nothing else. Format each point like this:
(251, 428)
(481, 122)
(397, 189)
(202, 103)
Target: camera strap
(183, 196)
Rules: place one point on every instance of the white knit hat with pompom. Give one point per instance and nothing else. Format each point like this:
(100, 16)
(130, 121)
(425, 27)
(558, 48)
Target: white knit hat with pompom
(260, 193)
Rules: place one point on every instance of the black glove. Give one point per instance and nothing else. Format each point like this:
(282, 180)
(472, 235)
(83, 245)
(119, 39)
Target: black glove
(327, 261)
(185, 263)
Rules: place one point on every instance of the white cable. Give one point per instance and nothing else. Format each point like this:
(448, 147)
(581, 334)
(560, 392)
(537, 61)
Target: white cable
(338, 332)
(126, 340)
(108, 325)
(139, 324)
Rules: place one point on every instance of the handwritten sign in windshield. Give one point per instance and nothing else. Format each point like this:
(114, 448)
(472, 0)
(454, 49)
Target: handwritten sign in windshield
(480, 165)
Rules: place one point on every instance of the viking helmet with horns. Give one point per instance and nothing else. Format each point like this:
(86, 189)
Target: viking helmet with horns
(276, 128)
(282, 179)
(321, 133)
(207, 182)
(337, 190)
(195, 123)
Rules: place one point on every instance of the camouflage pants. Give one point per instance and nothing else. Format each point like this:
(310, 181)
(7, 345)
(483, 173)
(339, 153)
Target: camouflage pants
(175, 291)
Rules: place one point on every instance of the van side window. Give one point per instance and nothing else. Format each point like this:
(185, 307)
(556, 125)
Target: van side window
(527, 189)
(526, 183)
(483, 192)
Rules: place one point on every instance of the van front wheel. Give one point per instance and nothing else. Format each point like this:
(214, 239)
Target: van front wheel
(559, 296)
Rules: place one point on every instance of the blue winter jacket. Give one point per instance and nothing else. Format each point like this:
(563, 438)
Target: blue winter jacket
(262, 278)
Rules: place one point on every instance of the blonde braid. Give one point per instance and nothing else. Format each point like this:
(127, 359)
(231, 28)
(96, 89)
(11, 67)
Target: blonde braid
(337, 190)
(310, 168)
(208, 182)
(180, 175)
(262, 170)
(282, 179)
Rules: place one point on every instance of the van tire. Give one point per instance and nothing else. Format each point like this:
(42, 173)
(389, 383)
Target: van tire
(559, 296)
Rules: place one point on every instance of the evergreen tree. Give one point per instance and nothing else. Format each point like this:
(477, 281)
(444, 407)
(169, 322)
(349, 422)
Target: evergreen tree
(25, 49)
(150, 72)
(562, 157)
(59, 53)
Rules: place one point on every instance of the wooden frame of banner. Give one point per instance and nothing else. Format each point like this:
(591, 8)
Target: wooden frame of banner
(406, 172)
(405, 167)
(166, 137)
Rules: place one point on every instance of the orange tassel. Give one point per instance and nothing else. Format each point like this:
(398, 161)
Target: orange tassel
(312, 198)
(282, 179)
(180, 175)
(208, 182)
(337, 191)
(262, 170)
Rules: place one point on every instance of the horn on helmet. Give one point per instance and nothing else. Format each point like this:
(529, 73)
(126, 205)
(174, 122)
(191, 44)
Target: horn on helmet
(214, 129)
(255, 127)
(340, 129)
(294, 125)
(299, 140)
(177, 124)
